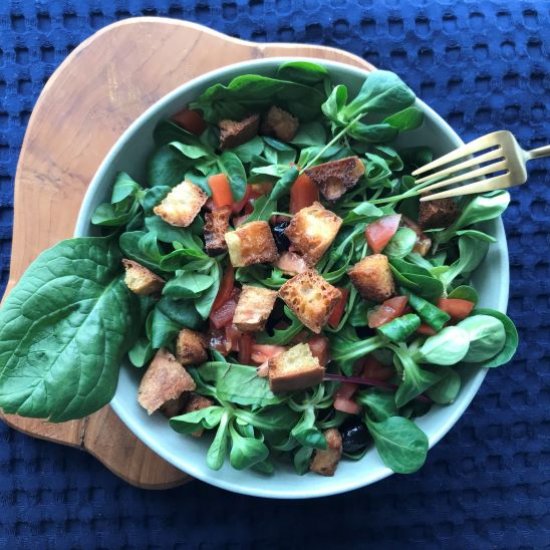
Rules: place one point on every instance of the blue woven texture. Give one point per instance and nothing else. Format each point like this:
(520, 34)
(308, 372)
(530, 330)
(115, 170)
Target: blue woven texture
(483, 66)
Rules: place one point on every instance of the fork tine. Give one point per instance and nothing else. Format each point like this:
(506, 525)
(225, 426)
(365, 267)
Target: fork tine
(491, 155)
(478, 144)
(483, 171)
(498, 182)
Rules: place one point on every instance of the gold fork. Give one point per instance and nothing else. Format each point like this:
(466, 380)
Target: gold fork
(505, 166)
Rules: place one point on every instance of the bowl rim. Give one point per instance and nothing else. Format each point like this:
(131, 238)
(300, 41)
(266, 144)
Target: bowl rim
(145, 435)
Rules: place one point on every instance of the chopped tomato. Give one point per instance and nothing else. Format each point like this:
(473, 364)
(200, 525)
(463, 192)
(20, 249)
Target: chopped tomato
(338, 311)
(303, 193)
(319, 347)
(457, 308)
(246, 202)
(291, 263)
(260, 353)
(245, 348)
(190, 120)
(224, 314)
(226, 288)
(387, 311)
(425, 330)
(380, 232)
(343, 399)
(221, 190)
(373, 369)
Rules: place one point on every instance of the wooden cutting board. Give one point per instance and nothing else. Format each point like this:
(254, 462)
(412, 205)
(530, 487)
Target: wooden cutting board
(95, 94)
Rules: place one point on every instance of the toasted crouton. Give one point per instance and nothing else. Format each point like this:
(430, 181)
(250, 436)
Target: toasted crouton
(182, 204)
(294, 369)
(254, 307)
(312, 230)
(336, 177)
(326, 461)
(311, 298)
(197, 402)
(437, 213)
(280, 124)
(141, 280)
(373, 278)
(233, 133)
(423, 242)
(174, 407)
(216, 224)
(251, 243)
(164, 380)
(190, 347)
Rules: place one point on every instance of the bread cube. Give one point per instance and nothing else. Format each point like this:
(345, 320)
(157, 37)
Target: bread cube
(181, 206)
(373, 278)
(437, 213)
(325, 461)
(164, 380)
(280, 124)
(191, 347)
(251, 243)
(334, 178)
(196, 402)
(253, 308)
(312, 230)
(294, 369)
(141, 280)
(234, 133)
(311, 298)
(216, 224)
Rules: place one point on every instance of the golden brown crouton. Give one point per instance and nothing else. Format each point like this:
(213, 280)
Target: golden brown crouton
(311, 298)
(336, 177)
(294, 369)
(437, 213)
(182, 204)
(254, 307)
(233, 133)
(312, 230)
(141, 280)
(326, 461)
(175, 407)
(280, 124)
(372, 277)
(251, 243)
(190, 347)
(216, 224)
(423, 242)
(197, 402)
(164, 380)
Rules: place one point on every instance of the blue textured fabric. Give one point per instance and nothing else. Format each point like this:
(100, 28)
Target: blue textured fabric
(483, 65)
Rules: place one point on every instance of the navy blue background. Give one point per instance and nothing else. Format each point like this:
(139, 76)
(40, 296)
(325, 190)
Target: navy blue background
(483, 65)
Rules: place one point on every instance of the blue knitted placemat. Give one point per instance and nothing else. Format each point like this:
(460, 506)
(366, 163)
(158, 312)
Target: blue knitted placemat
(483, 65)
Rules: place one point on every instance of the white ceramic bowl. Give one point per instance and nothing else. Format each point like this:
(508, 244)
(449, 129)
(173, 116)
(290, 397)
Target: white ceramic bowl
(187, 453)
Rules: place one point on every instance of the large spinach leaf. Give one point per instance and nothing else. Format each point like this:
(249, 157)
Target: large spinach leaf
(63, 331)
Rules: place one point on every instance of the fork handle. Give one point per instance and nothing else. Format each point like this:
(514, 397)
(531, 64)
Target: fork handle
(539, 152)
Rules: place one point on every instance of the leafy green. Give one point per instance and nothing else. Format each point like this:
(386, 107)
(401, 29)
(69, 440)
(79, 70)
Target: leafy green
(70, 303)
(398, 330)
(447, 347)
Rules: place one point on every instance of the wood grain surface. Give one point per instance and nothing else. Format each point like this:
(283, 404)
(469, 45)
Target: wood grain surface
(100, 88)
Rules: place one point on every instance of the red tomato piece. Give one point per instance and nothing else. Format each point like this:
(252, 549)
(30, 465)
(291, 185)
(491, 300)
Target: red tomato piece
(457, 308)
(373, 369)
(425, 330)
(245, 348)
(303, 193)
(221, 190)
(380, 232)
(190, 120)
(226, 288)
(291, 263)
(338, 311)
(261, 353)
(224, 314)
(319, 347)
(346, 405)
(387, 311)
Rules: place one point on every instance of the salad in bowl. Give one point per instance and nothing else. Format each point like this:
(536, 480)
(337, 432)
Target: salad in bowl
(271, 280)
